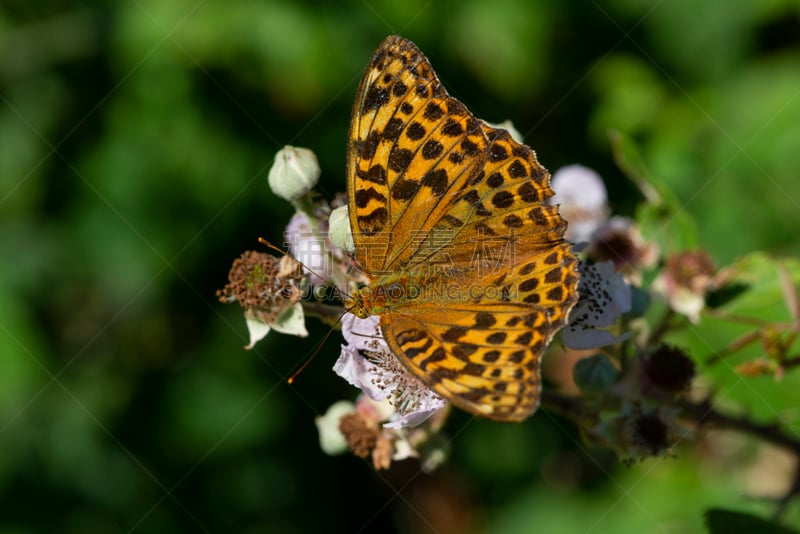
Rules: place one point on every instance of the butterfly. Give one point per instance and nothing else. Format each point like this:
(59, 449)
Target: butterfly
(467, 266)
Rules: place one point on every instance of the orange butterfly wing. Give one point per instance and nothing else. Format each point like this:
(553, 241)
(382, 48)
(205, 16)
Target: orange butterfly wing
(440, 201)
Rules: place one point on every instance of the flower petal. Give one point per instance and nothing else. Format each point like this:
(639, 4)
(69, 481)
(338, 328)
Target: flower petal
(359, 372)
(579, 338)
(257, 328)
(583, 200)
(416, 418)
(604, 297)
(291, 321)
(363, 334)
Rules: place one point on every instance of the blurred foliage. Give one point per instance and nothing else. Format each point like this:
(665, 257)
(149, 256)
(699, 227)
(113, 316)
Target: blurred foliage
(134, 143)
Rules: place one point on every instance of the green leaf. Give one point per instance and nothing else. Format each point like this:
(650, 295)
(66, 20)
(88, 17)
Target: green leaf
(725, 294)
(640, 302)
(765, 297)
(594, 374)
(745, 329)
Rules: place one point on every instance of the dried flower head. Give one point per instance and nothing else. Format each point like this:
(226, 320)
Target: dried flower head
(619, 240)
(649, 434)
(685, 280)
(693, 269)
(667, 370)
(260, 281)
(269, 290)
(360, 433)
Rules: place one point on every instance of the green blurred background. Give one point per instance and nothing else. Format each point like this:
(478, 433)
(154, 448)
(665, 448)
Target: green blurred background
(135, 138)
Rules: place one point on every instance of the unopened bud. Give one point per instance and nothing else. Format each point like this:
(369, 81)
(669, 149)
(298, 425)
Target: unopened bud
(339, 229)
(294, 173)
(669, 370)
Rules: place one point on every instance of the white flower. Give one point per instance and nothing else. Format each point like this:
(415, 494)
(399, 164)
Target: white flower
(309, 247)
(582, 200)
(604, 297)
(367, 363)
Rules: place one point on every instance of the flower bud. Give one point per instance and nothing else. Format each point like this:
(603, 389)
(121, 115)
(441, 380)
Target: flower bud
(339, 229)
(650, 435)
(331, 440)
(294, 173)
(669, 370)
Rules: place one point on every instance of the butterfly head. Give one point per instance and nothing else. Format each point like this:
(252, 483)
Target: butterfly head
(376, 300)
(358, 304)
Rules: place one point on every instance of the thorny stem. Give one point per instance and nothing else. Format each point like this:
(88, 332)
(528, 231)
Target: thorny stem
(701, 414)
(791, 361)
(563, 405)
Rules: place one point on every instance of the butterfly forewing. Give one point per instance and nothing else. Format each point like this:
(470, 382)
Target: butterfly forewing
(501, 206)
(411, 146)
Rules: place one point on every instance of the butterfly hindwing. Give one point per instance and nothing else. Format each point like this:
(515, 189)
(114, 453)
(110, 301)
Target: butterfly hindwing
(477, 356)
(479, 342)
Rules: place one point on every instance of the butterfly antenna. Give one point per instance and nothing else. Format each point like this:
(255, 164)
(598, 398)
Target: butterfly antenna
(308, 360)
(270, 245)
(316, 351)
(325, 338)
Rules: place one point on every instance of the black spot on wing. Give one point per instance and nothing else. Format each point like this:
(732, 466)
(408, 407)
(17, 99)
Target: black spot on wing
(376, 98)
(415, 131)
(484, 320)
(393, 129)
(436, 180)
(405, 189)
(517, 169)
(433, 112)
(399, 89)
(432, 149)
(452, 128)
(376, 174)
(399, 158)
(363, 196)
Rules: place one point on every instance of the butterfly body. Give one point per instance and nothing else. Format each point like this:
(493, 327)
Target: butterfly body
(467, 266)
